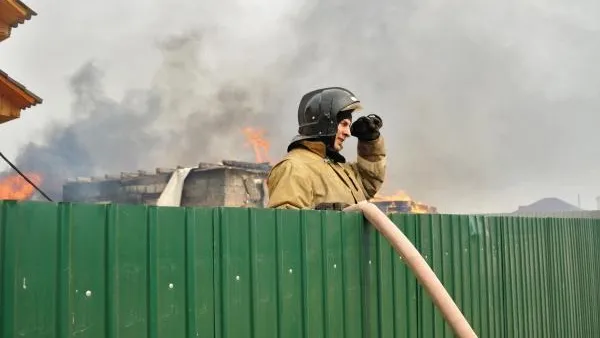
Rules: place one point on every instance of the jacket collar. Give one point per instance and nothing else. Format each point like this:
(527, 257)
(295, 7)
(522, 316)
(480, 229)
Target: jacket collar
(319, 148)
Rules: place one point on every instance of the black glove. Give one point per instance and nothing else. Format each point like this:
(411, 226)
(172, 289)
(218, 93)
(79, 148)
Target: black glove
(366, 128)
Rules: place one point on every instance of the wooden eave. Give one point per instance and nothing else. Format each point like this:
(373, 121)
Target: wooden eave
(18, 94)
(13, 13)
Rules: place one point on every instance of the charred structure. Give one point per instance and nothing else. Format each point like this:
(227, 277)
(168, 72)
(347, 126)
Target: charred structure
(400, 202)
(403, 206)
(229, 183)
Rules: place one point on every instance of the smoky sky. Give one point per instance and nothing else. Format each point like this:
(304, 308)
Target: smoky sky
(476, 97)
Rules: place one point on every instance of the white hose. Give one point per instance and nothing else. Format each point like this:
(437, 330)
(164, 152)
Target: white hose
(418, 265)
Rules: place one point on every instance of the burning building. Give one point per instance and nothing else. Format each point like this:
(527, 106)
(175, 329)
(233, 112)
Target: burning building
(229, 183)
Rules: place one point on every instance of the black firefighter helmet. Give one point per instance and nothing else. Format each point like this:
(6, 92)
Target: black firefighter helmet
(320, 111)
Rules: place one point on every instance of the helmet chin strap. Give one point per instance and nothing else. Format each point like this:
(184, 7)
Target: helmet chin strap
(330, 149)
(329, 142)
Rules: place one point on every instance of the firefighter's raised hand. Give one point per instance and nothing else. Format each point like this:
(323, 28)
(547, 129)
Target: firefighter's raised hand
(366, 128)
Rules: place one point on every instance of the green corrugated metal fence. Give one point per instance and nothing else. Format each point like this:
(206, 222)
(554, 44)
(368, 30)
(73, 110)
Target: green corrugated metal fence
(136, 271)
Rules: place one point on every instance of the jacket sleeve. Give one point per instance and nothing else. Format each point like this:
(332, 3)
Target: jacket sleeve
(370, 166)
(288, 188)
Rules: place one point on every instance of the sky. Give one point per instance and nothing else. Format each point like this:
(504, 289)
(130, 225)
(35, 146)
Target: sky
(486, 105)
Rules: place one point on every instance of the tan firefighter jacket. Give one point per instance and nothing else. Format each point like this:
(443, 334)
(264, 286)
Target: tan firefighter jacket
(305, 177)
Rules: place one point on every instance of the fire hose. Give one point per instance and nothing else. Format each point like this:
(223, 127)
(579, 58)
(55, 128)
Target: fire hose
(403, 246)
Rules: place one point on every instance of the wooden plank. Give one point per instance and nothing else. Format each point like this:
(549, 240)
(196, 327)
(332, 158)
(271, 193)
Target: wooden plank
(8, 111)
(16, 92)
(4, 31)
(23, 9)
(15, 12)
(11, 14)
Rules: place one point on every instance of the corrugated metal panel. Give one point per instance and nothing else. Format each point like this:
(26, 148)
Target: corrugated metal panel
(138, 271)
(552, 214)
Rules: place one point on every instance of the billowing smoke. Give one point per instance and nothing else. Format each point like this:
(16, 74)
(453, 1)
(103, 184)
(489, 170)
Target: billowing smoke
(189, 114)
(480, 101)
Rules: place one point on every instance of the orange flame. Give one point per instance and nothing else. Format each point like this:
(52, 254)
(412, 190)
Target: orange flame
(260, 145)
(420, 208)
(415, 207)
(15, 187)
(398, 196)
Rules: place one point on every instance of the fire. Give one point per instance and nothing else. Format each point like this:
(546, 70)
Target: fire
(419, 208)
(15, 187)
(398, 196)
(260, 145)
(402, 196)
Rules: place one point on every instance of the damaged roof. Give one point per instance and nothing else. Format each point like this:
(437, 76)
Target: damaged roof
(260, 168)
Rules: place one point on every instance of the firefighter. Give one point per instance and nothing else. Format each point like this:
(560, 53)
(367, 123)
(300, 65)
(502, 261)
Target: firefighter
(313, 174)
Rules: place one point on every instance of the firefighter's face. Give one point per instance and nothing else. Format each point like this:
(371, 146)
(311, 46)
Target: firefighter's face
(343, 132)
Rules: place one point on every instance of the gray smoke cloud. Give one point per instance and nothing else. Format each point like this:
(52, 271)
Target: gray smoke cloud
(189, 114)
(481, 102)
